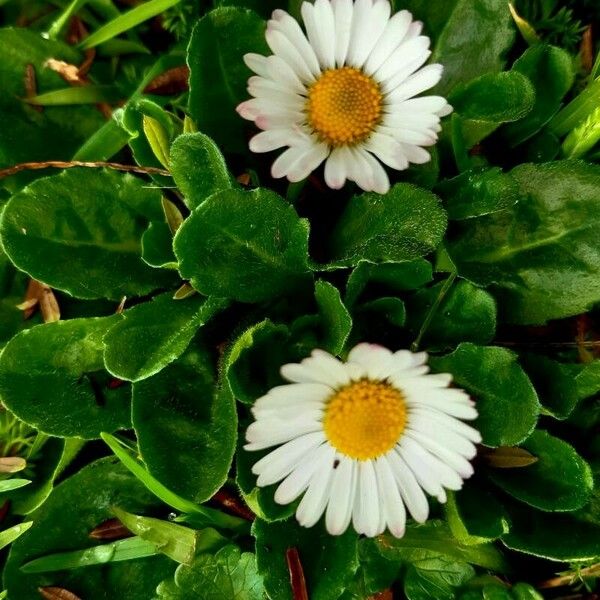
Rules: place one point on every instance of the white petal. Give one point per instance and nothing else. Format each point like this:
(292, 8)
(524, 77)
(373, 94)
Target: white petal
(315, 499)
(359, 169)
(311, 410)
(424, 104)
(445, 474)
(281, 462)
(381, 182)
(396, 28)
(257, 107)
(408, 120)
(298, 480)
(292, 30)
(391, 502)
(365, 515)
(294, 393)
(449, 457)
(342, 10)
(272, 139)
(287, 161)
(420, 468)
(450, 423)
(278, 70)
(388, 150)
(336, 168)
(257, 63)
(410, 490)
(320, 27)
(449, 438)
(376, 360)
(341, 499)
(404, 61)
(422, 80)
(368, 24)
(308, 162)
(281, 46)
(272, 432)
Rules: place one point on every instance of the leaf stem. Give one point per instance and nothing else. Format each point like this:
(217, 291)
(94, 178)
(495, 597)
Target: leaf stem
(433, 310)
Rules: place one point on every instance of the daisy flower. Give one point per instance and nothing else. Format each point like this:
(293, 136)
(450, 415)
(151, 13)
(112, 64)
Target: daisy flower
(363, 441)
(344, 92)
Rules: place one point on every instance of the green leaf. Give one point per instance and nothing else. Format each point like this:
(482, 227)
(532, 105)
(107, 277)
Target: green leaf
(62, 388)
(122, 550)
(63, 524)
(72, 96)
(475, 515)
(157, 246)
(504, 396)
(467, 313)
(226, 575)
(158, 138)
(404, 224)
(394, 277)
(540, 256)
(329, 563)
(553, 536)
(152, 335)
(249, 246)
(126, 21)
(560, 480)
(198, 168)
(175, 541)
(391, 309)
(550, 69)
(490, 100)
(434, 539)
(478, 192)
(8, 536)
(186, 429)
(464, 55)
(218, 75)
(336, 322)
(562, 386)
(253, 361)
(70, 244)
(437, 578)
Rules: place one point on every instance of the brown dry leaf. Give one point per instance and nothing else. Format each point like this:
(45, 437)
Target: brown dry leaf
(112, 529)
(30, 81)
(233, 504)
(12, 464)
(70, 73)
(385, 595)
(587, 50)
(57, 593)
(40, 295)
(243, 179)
(297, 580)
(506, 457)
(173, 81)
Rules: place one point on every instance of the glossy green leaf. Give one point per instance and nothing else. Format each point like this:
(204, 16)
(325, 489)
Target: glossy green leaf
(329, 563)
(253, 361)
(560, 480)
(62, 388)
(249, 246)
(466, 313)
(478, 192)
(63, 524)
(152, 335)
(473, 41)
(504, 396)
(157, 246)
(540, 256)
(550, 69)
(71, 246)
(393, 277)
(198, 168)
(435, 539)
(186, 429)
(218, 75)
(436, 577)
(336, 322)
(404, 224)
(227, 575)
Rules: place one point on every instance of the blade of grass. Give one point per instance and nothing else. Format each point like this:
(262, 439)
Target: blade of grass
(122, 550)
(127, 21)
(63, 19)
(577, 111)
(90, 94)
(10, 535)
(13, 484)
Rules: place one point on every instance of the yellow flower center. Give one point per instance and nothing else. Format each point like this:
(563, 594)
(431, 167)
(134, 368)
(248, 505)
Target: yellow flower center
(365, 419)
(344, 106)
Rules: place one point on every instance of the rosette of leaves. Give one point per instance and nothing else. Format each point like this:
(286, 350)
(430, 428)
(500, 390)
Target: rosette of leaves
(186, 283)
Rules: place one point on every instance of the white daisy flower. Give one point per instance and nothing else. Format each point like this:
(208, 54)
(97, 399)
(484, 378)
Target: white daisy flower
(363, 441)
(344, 93)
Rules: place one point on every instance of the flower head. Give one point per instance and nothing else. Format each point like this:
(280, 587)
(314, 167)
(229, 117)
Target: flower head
(363, 441)
(344, 93)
